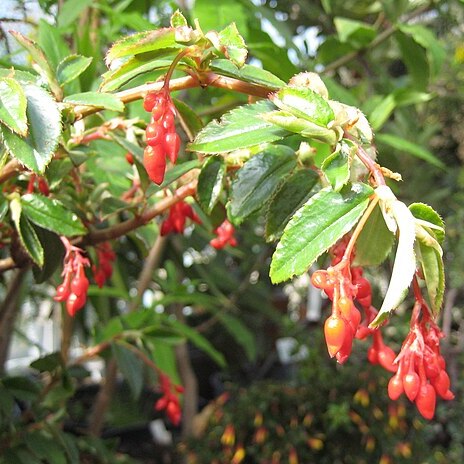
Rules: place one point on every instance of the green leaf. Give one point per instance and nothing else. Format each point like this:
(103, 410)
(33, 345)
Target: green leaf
(247, 73)
(434, 274)
(51, 215)
(241, 333)
(130, 365)
(52, 42)
(189, 118)
(355, 32)
(374, 242)
(240, 128)
(53, 255)
(36, 150)
(257, 180)
(24, 77)
(295, 191)
(178, 19)
(315, 227)
(70, 11)
(13, 104)
(26, 233)
(199, 340)
(48, 363)
(410, 147)
(382, 112)
(426, 213)
(415, 59)
(304, 103)
(21, 388)
(40, 59)
(102, 100)
(149, 41)
(336, 167)
(71, 68)
(210, 183)
(233, 45)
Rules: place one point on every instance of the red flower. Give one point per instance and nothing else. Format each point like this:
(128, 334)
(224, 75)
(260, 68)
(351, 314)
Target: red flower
(225, 236)
(178, 214)
(170, 399)
(103, 271)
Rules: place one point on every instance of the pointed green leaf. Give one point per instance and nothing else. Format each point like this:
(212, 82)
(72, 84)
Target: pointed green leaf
(294, 192)
(409, 147)
(233, 45)
(240, 128)
(102, 100)
(178, 19)
(40, 59)
(374, 242)
(247, 73)
(51, 215)
(210, 183)
(189, 118)
(13, 106)
(382, 112)
(315, 227)
(53, 255)
(337, 166)
(257, 180)
(240, 332)
(36, 150)
(304, 103)
(70, 11)
(426, 213)
(26, 233)
(434, 274)
(149, 41)
(52, 42)
(72, 67)
(130, 365)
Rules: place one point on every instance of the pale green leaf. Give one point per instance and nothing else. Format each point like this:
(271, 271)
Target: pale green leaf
(102, 100)
(13, 104)
(336, 167)
(70, 11)
(427, 214)
(72, 67)
(315, 227)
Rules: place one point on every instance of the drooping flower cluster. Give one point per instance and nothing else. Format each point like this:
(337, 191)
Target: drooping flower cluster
(162, 138)
(75, 284)
(421, 374)
(42, 184)
(170, 399)
(104, 269)
(178, 214)
(225, 236)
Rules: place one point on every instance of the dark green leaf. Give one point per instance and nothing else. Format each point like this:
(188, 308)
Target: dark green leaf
(257, 180)
(51, 215)
(247, 73)
(13, 106)
(71, 68)
(21, 388)
(374, 242)
(304, 103)
(241, 333)
(210, 183)
(288, 199)
(130, 365)
(53, 255)
(336, 167)
(70, 11)
(189, 118)
(240, 128)
(415, 59)
(315, 227)
(410, 147)
(105, 101)
(48, 363)
(427, 213)
(36, 150)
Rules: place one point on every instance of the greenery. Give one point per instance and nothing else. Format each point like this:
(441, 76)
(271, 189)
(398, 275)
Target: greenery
(171, 179)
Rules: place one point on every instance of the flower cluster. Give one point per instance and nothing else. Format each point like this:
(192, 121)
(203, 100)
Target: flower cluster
(104, 269)
(170, 399)
(42, 185)
(225, 236)
(421, 374)
(75, 284)
(162, 138)
(178, 214)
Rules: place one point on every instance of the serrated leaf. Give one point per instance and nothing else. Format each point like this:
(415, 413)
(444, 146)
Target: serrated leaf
(257, 180)
(210, 183)
(26, 233)
(51, 215)
(178, 19)
(295, 191)
(233, 45)
(240, 128)
(404, 266)
(304, 103)
(13, 104)
(72, 67)
(247, 73)
(374, 242)
(130, 365)
(149, 41)
(36, 150)
(40, 59)
(410, 147)
(102, 100)
(426, 213)
(315, 227)
(434, 274)
(337, 166)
